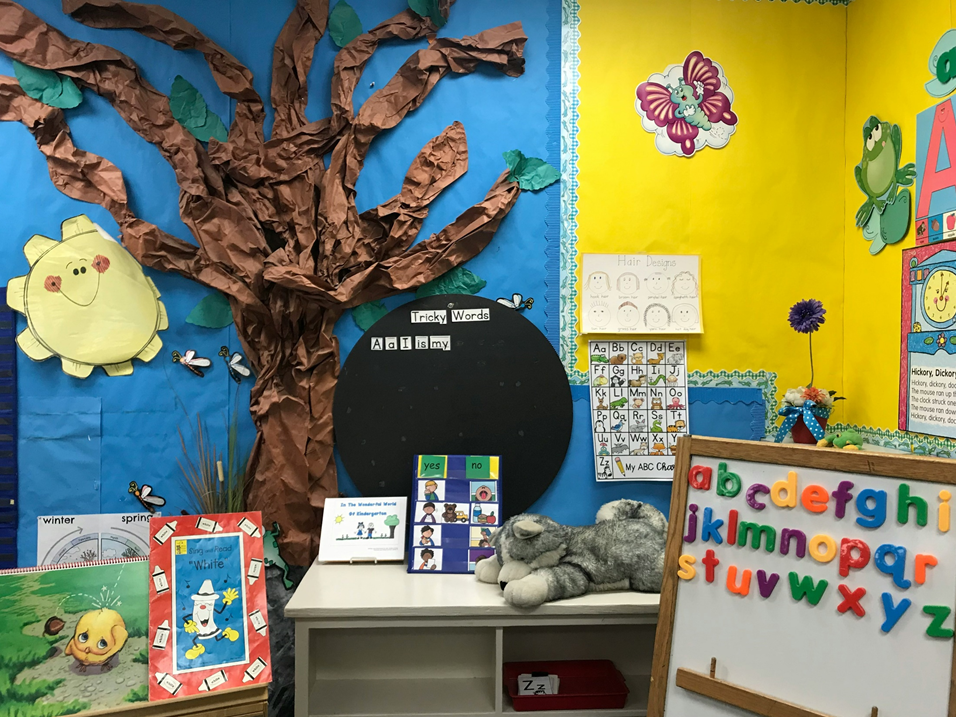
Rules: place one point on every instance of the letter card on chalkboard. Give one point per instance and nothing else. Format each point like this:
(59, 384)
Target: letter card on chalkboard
(806, 582)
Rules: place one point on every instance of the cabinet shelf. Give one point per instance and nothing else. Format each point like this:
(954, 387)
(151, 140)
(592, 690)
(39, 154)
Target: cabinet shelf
(373, 641)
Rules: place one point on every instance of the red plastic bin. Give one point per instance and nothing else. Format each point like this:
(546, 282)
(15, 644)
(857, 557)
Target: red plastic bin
(585, 684)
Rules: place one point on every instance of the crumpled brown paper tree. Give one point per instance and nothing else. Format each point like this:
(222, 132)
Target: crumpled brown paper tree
(276, 232)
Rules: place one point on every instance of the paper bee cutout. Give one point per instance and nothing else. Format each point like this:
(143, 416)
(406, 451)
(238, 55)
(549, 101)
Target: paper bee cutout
(144, 494)
(191, 361)
(517, 302)
(234, 364)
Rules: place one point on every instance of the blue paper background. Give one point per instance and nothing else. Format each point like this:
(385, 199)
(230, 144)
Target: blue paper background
(84, 441)
(189, 580)
(139, 416)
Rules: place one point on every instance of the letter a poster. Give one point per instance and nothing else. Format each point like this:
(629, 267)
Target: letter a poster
(208, 618)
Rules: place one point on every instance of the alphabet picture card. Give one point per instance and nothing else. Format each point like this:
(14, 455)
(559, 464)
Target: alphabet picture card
(640, 294)
(363, 529)
(638, 407)
(822, 580)
(208, 617)
(456, 505)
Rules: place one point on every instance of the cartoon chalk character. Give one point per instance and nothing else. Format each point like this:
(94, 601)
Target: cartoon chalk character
(881, 179)
(430, 490)
(598, 282)
(359, 530)
(370, 530)
(684, 285)
(99, 635)
(657, 284)
(202, 624)
(628, 283)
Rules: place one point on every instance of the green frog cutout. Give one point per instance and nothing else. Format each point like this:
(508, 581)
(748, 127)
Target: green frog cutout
(885, 215)
(848, 440)
(270, 548)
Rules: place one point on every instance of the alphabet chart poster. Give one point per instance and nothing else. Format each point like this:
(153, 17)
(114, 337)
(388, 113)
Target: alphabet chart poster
(208, 617)
(456, 506)
(825, 579)
(638, 407)
(640, 294)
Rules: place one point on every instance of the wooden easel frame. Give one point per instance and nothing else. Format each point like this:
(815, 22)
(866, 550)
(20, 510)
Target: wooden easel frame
(934, 470)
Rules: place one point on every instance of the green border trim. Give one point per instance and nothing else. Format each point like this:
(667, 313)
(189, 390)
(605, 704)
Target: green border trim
(567, 332)
(915, 443)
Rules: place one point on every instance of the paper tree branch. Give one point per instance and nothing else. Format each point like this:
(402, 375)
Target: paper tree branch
(276, 232)
(291, 60)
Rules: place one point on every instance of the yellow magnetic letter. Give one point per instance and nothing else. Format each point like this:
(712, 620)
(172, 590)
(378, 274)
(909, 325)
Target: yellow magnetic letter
(687, 570)
(825, 541)
(790, 486)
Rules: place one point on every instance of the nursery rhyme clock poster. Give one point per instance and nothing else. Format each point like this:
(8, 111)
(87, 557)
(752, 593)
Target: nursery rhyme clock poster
(928, 340)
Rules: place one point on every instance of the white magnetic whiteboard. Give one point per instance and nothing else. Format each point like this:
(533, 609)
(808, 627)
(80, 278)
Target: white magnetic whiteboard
(813, 656)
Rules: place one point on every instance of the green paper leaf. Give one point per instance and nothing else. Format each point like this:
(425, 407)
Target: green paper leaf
(530, 173)
(50, 88)
(457, 281)
(212, 127)
(364, 315)
(190, 110)
(213, 312)
(186, 104)
(344, 24)
(429, 9)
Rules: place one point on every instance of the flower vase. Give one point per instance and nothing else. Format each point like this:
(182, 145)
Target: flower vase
(800, 432)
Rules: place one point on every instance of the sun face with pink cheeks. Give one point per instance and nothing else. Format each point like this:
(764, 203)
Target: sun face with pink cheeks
(87, 301)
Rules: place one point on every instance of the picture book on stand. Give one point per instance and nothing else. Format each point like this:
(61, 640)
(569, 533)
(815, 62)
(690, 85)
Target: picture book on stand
(208, 619)
(74, 637)
(456, 505)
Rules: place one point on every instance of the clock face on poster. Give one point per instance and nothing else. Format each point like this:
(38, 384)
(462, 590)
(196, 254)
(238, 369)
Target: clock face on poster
(939, 297)
(453, 374)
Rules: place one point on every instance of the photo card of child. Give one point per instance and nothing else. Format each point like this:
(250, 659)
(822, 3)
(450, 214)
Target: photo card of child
(456, 505)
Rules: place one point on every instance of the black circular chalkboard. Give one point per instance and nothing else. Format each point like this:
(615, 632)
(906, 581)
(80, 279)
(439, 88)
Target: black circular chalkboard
(492, 385)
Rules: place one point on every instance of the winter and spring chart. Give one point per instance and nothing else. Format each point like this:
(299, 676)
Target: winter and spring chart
(638, 407)
(456, 506)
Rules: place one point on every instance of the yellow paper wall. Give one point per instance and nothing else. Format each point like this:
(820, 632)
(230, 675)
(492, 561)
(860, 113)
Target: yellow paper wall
(888, 48)
(766, 213)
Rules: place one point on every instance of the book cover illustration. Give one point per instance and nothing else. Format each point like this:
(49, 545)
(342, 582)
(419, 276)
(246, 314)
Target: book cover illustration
(74, 638)
(363, 529)
(208, 612)
(456, 505)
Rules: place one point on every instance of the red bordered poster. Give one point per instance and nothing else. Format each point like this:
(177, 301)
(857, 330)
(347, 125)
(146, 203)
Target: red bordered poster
(208, 618)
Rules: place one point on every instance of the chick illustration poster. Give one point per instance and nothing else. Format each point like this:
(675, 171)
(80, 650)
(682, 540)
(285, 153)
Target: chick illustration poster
(208, 613)
(74, 638)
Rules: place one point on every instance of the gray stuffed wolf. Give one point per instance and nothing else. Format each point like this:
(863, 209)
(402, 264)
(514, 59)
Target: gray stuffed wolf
(538, 560)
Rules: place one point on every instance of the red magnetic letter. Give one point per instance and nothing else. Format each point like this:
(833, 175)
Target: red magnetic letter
(710, 561)
(847, 560)
(699, 476)
(851, 600)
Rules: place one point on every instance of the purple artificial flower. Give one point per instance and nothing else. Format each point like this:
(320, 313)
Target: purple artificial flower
(806, 316)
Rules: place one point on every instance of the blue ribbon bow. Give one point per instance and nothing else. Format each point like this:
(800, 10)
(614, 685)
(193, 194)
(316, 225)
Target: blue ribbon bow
(807, 412)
